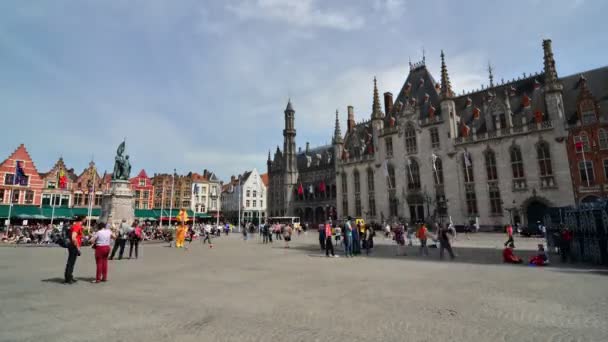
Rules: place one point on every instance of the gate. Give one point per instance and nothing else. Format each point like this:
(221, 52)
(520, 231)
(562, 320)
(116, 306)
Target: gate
(589, 226)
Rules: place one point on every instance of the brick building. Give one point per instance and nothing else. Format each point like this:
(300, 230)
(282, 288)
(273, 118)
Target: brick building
(58, 185)
(143, 190)
(586, 108)
(88, 186)
(29, 189)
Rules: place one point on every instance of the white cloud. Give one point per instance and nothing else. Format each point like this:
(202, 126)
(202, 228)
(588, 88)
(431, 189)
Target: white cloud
(392, 9)
(299, 13)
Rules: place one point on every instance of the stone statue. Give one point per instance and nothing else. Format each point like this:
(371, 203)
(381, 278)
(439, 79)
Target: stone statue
(122, 166)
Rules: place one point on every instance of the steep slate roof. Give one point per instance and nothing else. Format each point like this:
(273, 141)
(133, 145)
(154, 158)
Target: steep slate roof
(597, 83)
(417, 86)
(313, 153)
(359, 137)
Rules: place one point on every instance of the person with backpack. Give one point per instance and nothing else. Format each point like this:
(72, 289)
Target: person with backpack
(422, 235)
(135, 235)
(73, 240)
(121, 240)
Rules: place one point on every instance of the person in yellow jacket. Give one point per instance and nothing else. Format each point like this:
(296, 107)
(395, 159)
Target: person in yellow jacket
(182, 228)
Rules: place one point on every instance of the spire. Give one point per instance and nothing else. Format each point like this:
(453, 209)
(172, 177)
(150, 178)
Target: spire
(269, 155)
(490, 75)
(376, 111)
(289, 106)
(446, 87)
(337, 131)
(550, 71)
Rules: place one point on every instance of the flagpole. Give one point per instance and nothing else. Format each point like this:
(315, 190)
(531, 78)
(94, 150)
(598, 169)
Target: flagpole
(172, 188)
(91, 199)
(239, 194)
(585, 162)
(162, 206)
(10, 207)
(52, 210)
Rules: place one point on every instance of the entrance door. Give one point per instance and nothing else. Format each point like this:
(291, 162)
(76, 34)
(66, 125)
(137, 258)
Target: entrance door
(535, 212)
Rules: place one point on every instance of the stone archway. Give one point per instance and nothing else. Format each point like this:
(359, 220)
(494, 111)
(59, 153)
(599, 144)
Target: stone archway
(299, 213)
(320, 215)
(535, 211)
(308, 215)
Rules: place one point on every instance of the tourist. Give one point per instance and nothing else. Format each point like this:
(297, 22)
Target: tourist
(508, 256)
(409, 232)
(135, 235)
(399, 237)
(101, 242)
(207, 233)
(244, 234)
(565, 241)
(443, 236)
(368, 241)
(265, 231)
(322, 236)
(356, 240)
(387, 231)
(121, 239)
(422, 235)
(337, 234)
(287, 235)
(73, 245)
(509, 230)
(348, 239)
(541, 258)
(329, 246)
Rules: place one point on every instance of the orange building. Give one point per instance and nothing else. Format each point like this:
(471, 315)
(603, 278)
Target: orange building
(143, 190)
(29, 188)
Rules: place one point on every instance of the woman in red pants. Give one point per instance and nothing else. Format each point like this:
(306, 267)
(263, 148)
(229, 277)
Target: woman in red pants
(101, 242)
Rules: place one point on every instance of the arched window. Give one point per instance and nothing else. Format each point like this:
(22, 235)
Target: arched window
(517, 163)
(544, 159)
(371, 198)
(344, 195)
(357, 193)
(391, 177)
(491, 165)
(603, 138)
(410, 139)
(413, 175)
(438, 170)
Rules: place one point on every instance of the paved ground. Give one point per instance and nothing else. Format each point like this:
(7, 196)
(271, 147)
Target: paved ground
(246, 291)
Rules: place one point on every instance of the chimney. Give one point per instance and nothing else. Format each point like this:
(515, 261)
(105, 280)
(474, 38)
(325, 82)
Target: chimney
(307, 147)
(388, 102)
(351, 118)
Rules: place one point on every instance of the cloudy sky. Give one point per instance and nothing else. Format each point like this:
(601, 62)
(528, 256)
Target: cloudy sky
(203, 84)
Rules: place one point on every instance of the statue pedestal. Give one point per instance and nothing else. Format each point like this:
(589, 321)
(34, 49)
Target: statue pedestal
(118, 203)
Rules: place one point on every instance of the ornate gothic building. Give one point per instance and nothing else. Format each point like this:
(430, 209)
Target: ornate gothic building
(495, 155)
(301, 183)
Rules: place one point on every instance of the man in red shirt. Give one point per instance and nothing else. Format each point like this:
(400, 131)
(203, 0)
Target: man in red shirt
(509, 230)
(73, 250)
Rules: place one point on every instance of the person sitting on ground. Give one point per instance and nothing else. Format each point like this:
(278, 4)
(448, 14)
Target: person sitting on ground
(508, 256)
(541, 259)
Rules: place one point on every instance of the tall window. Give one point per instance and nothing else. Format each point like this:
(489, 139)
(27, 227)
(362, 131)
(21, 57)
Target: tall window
(603, 138)
(247, 203)
(389, 146)
(344, 195)
(517, 163)
(16, 196)
(438, 172)
(391, 177)
(77, 199)
(544, 159)
(491, 165)
(585, 169)
(29, 197)
(471, 199)
(605, 171)
(410, 139)
(467, 168)
(434, 137)
(9, 178)
(370, 193)
(142, 182)
(255, 193)
(255, 203)
(584, 138)
(98, 198)
(393, 204)
(495, 202)
(413, 175)
(248, 193)
(357, 193)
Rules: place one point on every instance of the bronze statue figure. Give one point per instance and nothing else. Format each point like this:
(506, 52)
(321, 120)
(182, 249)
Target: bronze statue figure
(122, 166)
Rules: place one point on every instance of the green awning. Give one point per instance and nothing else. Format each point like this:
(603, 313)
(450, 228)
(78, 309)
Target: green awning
(21, 211)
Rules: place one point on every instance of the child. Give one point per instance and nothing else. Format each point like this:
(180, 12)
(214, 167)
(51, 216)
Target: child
(541, 258)
(508, 256)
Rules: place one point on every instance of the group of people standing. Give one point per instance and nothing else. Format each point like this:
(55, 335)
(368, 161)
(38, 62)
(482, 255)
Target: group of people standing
(101, 241)
(354, 238)
(280, 231)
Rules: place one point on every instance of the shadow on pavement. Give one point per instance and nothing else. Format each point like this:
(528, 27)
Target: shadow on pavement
(55, 280)
(469, 255)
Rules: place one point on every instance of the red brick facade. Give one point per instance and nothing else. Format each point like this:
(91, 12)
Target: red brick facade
(143, 190)
(588, 145)
(29, 194)
(89, 180)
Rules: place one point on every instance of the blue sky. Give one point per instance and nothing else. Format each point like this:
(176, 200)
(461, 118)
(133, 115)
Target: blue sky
(203, 84)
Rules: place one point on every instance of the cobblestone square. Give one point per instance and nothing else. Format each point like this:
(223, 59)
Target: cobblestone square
(247, 291)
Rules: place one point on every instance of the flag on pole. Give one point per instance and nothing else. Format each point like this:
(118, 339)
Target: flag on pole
(322, 186)
(20, 177)
(578, 144)
(300, 189)
(62, 179)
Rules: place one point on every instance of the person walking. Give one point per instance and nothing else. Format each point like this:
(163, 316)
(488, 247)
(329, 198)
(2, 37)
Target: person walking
(565, 241)
(348, 239)
(444, 242)
(287, 235)
(207, 232)
(369, 238)
(75, 240)
(509, 230)
(329, 246)
(422, 235)
(101, 242)
(322, 236)
(121, 240)
(135, 236)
